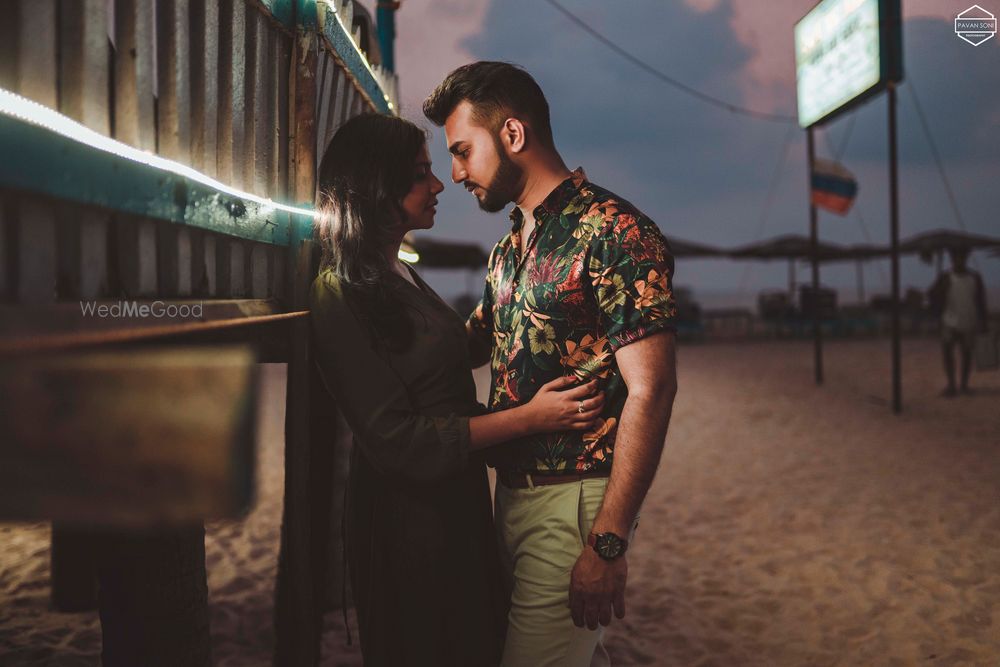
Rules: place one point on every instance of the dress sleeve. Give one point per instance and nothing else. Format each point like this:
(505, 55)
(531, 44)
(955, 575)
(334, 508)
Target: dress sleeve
(631, 271)
(396, 440)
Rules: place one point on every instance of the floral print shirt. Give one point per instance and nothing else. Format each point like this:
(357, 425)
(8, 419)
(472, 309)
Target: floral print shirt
(596, 276)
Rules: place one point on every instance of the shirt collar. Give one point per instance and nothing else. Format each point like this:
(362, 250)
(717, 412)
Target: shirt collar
(555, 202)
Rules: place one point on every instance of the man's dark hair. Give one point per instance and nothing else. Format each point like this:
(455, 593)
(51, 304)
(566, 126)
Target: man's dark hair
(497, 91)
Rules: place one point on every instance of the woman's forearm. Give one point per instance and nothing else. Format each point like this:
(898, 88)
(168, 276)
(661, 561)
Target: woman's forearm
(497, 427)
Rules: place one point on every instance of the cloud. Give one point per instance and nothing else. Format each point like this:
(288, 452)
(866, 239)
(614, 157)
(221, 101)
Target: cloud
(702, 172)
(429, 43)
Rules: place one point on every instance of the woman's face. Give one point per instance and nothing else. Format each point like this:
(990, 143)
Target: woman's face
(420, 202)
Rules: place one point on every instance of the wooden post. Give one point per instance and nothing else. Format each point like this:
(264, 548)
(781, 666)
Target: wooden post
(298, 611)
(298, 605)
(232, 103)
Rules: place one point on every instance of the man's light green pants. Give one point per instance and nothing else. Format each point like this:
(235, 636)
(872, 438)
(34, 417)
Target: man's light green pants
(542, 531)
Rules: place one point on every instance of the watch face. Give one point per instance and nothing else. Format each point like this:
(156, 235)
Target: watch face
(608, 545)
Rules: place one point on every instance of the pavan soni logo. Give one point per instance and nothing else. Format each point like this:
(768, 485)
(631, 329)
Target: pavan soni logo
(975, 25)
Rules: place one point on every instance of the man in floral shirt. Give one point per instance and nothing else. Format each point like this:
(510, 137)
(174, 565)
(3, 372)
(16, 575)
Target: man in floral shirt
(581, 287)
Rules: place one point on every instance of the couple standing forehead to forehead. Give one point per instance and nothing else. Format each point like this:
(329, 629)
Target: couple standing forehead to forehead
(577, 324)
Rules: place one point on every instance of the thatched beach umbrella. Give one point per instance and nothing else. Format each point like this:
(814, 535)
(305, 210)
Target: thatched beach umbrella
(790, 247)
(691, 249)
(941, 240)
(932, 245)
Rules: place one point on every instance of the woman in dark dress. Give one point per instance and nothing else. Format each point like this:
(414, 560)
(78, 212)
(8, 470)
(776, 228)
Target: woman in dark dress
(420, 542)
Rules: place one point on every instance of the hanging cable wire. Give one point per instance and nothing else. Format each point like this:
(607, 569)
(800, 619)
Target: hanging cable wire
(937, 156)
(768, 201)
(659, 74)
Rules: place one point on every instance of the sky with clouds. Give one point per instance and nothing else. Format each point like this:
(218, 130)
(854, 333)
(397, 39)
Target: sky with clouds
(702, 173)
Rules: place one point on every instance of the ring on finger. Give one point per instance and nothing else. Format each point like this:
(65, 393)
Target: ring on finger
(579, 408)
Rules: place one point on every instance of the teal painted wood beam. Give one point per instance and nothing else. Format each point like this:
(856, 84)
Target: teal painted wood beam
(51, 164)
(282, 11)
(357, 66)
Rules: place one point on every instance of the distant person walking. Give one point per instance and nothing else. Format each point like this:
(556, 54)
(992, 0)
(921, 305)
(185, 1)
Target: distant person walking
(961, 299)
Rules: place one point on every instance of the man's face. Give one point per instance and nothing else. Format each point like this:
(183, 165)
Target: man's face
(479, 162)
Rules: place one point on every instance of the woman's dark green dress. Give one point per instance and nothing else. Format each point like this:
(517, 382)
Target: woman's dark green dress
(421, 548)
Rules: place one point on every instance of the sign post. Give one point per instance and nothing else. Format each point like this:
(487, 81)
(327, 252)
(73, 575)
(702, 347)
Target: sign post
(814, 258)
(846, 52)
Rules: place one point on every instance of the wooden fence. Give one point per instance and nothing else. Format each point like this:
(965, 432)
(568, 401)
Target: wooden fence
(165, 152)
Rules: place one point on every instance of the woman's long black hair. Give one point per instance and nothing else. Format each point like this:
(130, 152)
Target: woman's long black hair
(366, 171)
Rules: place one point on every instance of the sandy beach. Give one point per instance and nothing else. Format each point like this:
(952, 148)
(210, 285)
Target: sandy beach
(788, 525)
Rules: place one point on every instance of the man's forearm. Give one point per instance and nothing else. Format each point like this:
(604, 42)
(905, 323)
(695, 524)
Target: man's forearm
(638, 446)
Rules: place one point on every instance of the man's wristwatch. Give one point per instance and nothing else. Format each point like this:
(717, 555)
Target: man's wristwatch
(607, 545)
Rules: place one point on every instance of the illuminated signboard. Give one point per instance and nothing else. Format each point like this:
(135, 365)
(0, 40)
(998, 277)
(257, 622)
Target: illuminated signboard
(845, 51)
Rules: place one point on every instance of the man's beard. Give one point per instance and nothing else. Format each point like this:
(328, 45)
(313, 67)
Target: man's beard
(503, 188)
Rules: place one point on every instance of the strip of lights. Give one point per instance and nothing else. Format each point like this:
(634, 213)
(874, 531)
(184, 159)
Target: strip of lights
(16, 106)
(29, 111)
(364, 59)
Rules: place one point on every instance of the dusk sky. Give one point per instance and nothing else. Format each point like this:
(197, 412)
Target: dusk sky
(702, 173)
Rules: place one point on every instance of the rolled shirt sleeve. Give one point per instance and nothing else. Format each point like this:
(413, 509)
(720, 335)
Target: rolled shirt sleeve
(395, 438)
(631, 270)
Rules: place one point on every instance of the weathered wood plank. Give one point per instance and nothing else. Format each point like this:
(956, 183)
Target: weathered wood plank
(134, 75)
(8, 49)
(83, 62)
(208, 255)
(231, 267)
(135, 244)
(174, 80)
(326, 80)
(271, 100)
(299, 587)
(36, 251)
(257, 121)
(344, 102)
(360, 105)
(128, 437)
(6, 251)
(279, 272)
(93, 276)
(283, 99)
(204, 86)
(68, 253)
(37, 74)
(232, 91)
(340, 81)
(174, 259)
(303, 94)
(173, 25)
(84, 54)
(259, 261)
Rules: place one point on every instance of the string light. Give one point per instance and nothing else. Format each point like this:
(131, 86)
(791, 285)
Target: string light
(332, 6)
(29, 111)
(16, 106)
